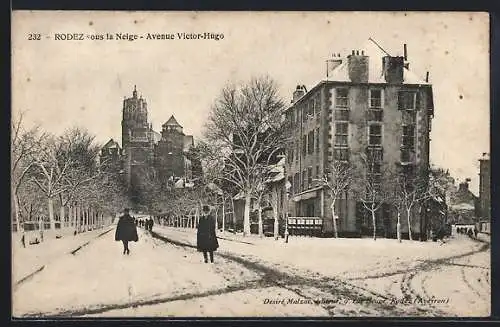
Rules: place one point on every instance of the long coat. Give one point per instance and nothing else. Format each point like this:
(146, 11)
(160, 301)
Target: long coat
(126, 229)
(206, 240)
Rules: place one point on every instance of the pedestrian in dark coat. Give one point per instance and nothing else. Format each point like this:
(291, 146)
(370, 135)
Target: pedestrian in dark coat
(475, 231)
(126, 231)
(206, 240)
(151, 223)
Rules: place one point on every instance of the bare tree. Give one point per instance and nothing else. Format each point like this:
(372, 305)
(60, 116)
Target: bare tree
(410, 189)
(337, 180)
(372, 192)
(50, 170)
(245, 129)
(24, 146)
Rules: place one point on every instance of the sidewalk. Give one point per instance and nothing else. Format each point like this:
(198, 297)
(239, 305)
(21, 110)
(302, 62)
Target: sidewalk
(26, 261)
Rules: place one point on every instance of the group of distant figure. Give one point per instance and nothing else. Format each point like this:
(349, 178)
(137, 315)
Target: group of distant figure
(147, 223)
(468, 231)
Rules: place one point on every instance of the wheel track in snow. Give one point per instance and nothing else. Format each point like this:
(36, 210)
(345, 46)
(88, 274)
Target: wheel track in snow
(273, 277)
(406, 283)
(326, 285)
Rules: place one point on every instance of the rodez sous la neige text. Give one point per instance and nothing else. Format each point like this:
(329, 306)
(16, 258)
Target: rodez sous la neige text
(134, 37)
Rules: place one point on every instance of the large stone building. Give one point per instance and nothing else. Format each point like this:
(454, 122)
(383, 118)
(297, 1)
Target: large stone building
(369, 105)
(146, 154)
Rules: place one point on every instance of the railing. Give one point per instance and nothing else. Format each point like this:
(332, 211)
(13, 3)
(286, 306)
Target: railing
(310, 226)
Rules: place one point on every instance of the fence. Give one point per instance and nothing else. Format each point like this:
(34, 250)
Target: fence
(309, 226)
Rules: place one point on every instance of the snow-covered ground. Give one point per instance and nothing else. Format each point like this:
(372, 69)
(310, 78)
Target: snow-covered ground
(31, 258)
(453, 277)
(260, 277)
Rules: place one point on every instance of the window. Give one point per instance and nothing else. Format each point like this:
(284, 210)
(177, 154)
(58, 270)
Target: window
(408, 140)
(318, 173)
(375, 98)
(342, 114)
(297, 150)
(296, 182)
(374, 154)
(342, 98)
(309, 176)
(317, 106)
(304, 180)
(375, 134)
(304, 145)
(310, 142)
(341, 133)
(341, 154)
(375, 115)
(407, 100)
(375, 168)
(317, 140)
(406, 155)
(408, 117)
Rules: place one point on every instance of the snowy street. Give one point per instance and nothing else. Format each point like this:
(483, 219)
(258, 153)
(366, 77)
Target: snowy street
(164, 276)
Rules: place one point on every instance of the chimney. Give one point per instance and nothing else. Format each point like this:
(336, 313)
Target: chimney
(427, 77)
(333, 63)
(358, 67)
(298, 93)
(405, 51)
(464, 186)
(393, 69)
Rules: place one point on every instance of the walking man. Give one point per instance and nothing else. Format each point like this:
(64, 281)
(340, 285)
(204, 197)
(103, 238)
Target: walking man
(206, 238)
(126, 231)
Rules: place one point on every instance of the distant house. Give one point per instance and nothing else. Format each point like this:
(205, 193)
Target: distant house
(463, 205)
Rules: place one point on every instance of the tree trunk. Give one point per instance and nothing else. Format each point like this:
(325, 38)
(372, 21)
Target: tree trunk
(246, 217)
(223, 216)
(408, 216)
(70, 215)
(16, 212)
(62, 215)
(233, 217)
(261, 227)
(51, 214)
(398, 227)
(77, 217)
(334, 220)
(275, 213)
(374, 221)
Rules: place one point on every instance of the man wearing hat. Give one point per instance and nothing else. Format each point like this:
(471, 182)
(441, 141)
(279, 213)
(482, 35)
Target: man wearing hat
(206, 238)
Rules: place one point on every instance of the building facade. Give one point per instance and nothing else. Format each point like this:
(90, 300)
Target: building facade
(369, 106)
(484, 187)
(145, 153)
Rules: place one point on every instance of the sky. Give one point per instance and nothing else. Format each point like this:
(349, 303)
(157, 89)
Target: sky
(61, 83)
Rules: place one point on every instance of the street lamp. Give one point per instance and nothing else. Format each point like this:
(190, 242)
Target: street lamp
(287, 187)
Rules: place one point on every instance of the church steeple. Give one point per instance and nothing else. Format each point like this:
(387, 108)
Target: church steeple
(134, 94)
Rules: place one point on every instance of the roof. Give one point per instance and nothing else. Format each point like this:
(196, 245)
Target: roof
(156, 136)
(111, 144)
(172, 122)
(375, 75)
(462, 206)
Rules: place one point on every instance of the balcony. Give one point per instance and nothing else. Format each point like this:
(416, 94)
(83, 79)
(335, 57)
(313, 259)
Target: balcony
(407, 157)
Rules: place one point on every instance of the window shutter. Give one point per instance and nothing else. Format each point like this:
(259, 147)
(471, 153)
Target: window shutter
(417, 100)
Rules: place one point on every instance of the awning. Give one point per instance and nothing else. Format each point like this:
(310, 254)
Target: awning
(306, 195)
